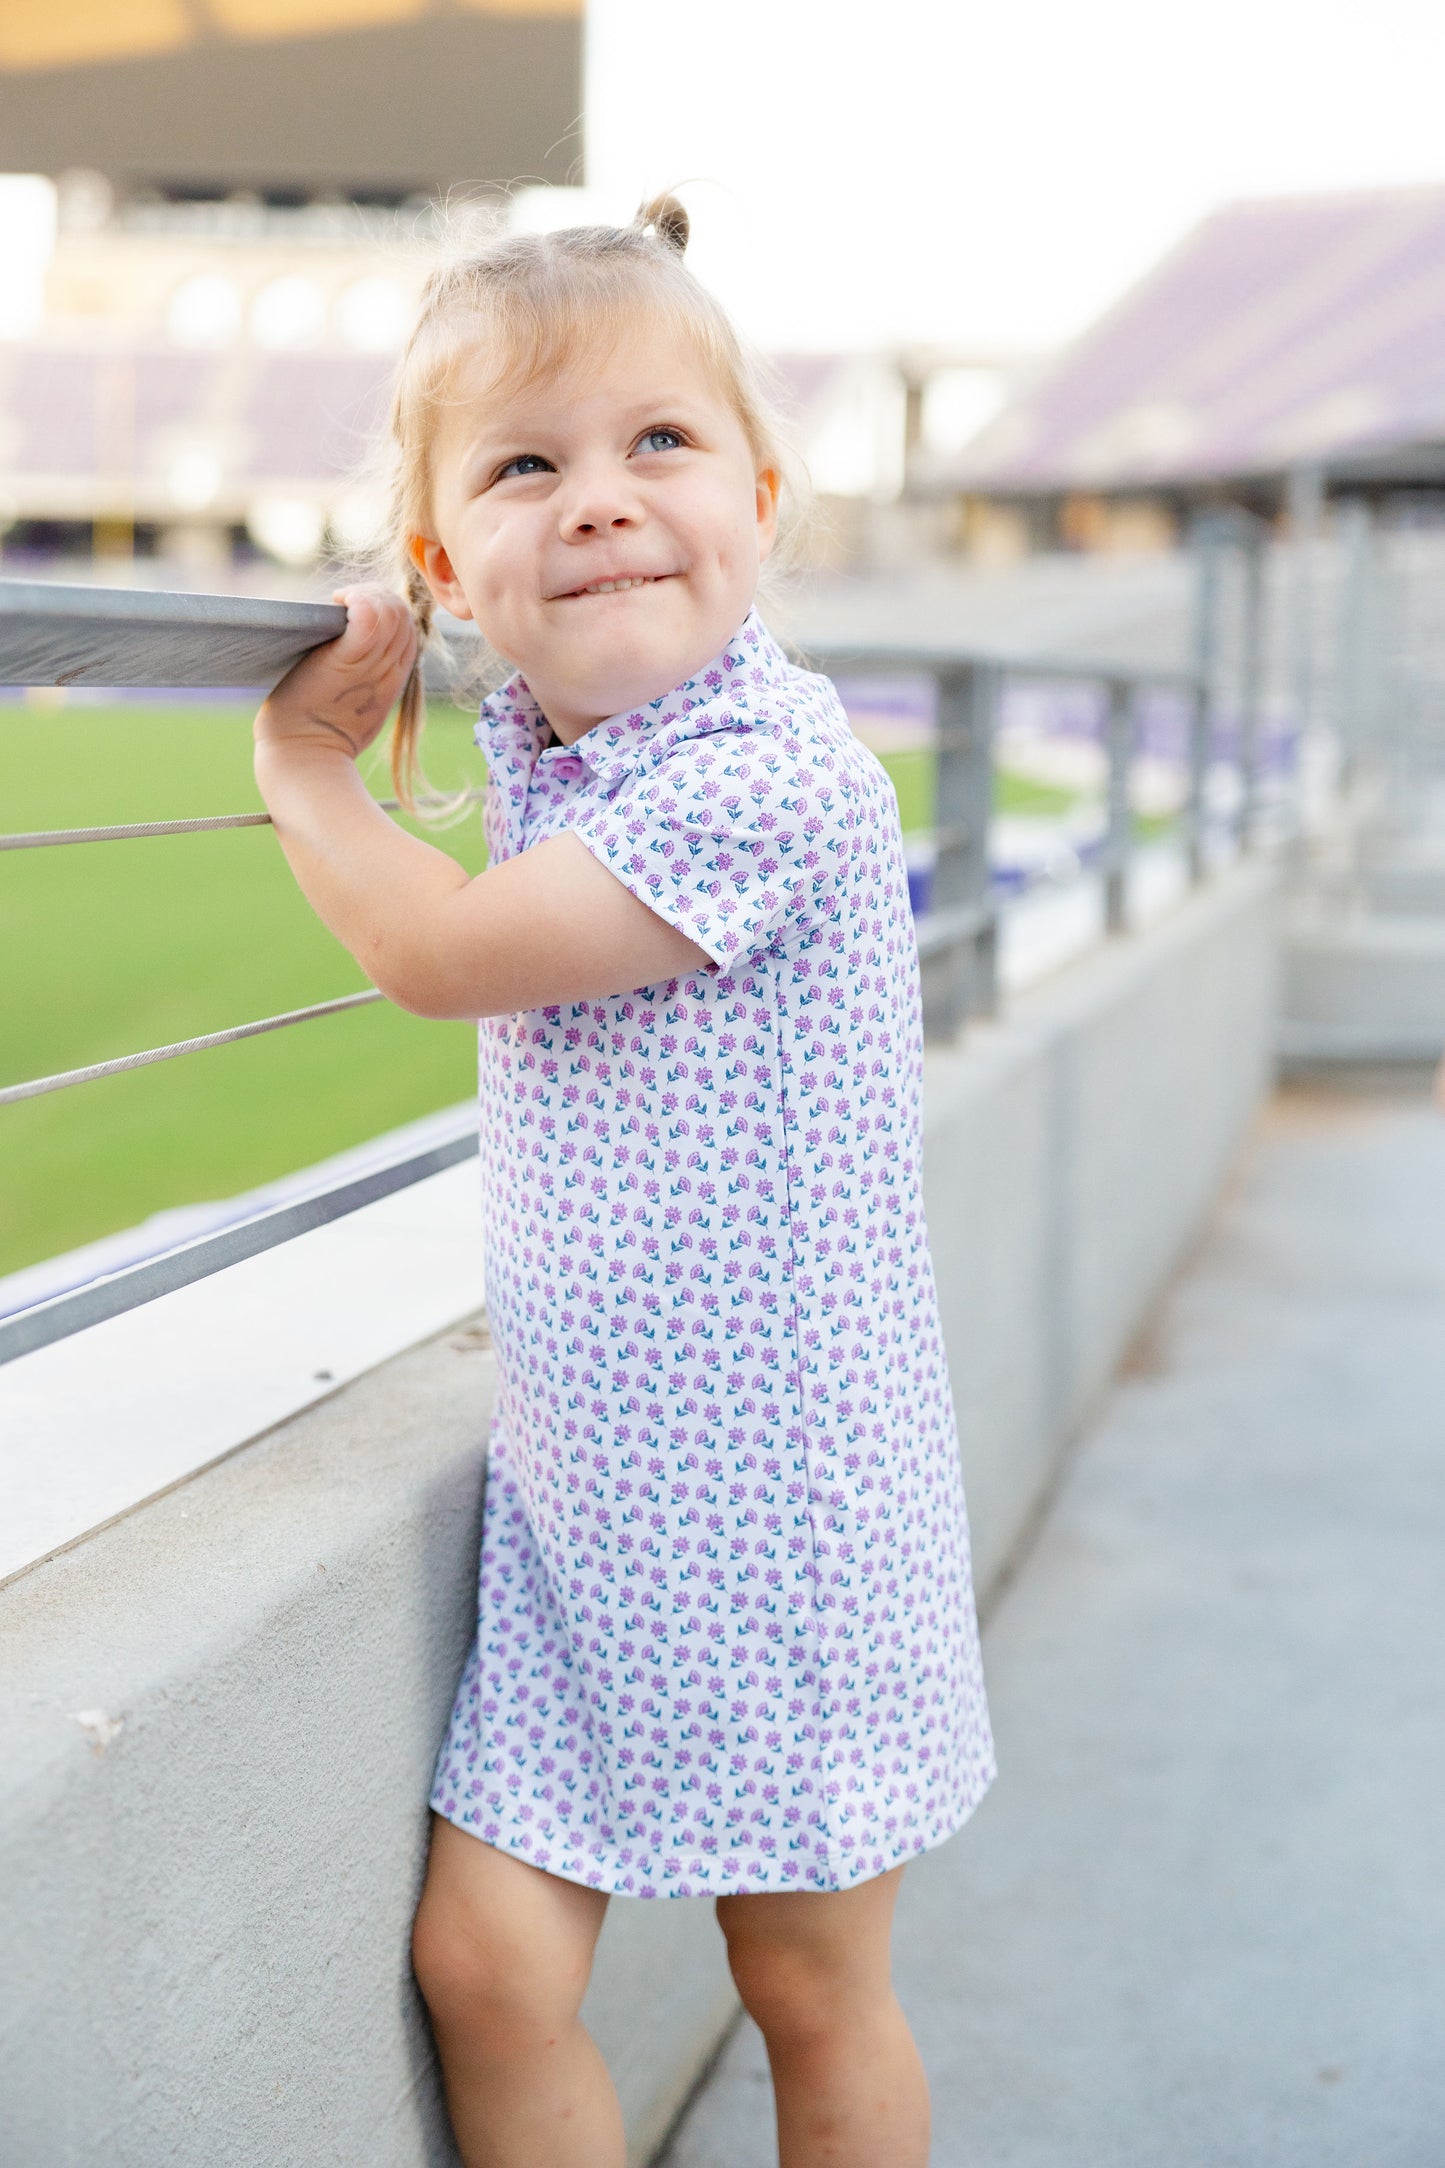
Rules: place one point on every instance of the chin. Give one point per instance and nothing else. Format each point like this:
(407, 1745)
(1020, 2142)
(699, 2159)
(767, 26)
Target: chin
(638, 668)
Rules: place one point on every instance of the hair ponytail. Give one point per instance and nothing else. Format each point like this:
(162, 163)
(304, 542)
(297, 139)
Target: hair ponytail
(406, 771)
(665, 217)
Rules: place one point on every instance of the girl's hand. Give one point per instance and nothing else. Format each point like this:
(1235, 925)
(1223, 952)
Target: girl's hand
(339, 696)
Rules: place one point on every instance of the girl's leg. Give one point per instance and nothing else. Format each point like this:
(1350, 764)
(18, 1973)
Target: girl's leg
(502, 1954)
(813, 1971)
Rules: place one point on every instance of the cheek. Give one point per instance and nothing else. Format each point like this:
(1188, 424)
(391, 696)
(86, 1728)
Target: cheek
(727, 526)
(745, 537)
(505, 557)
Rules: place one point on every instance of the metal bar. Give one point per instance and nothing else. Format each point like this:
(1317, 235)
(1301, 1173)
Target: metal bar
(978, 827)
(938, 931)
(1119, 745)
(1195, 810)
(131, 637)
(41, 839)
(51, 634)
(876, 658)
(956, 938)
(65, 1314)
(1251, 682)
(1305, 497)
(37, 1087)
(1353, 633)
(54, 634)
(1207, 545)
(37, 839)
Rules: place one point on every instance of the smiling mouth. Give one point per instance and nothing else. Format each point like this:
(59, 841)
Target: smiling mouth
(614, 586)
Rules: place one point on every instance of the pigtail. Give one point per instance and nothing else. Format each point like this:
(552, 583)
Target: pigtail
(406, 771)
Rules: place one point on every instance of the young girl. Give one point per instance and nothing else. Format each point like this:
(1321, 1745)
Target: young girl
(726, 1642)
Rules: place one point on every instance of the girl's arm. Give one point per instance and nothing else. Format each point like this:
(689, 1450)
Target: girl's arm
(550, 925)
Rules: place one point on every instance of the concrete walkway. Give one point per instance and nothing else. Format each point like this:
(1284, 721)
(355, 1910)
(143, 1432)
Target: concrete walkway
(1200, 1920)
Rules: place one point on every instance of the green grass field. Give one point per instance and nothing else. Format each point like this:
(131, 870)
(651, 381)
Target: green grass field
(111, 947)
(912, 774)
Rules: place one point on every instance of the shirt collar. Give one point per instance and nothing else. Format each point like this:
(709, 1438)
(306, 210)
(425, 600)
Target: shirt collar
(512, 730)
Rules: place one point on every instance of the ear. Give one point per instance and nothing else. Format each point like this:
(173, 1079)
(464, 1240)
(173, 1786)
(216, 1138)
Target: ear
(435, 567)
(768, 485)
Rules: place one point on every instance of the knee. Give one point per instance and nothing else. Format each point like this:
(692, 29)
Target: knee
(791, 1992)
(476, 1977)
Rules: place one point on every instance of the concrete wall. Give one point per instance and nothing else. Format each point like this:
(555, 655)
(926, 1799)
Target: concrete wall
(1368, 987)
(1071, 1155)
(219, 1715)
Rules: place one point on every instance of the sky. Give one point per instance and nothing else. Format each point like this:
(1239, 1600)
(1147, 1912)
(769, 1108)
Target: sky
(988, 178)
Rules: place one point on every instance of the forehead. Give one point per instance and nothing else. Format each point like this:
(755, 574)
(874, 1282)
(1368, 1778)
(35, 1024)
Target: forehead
(495, 388)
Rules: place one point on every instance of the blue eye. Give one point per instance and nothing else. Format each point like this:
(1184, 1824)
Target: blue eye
(671, 440)
(525, 463)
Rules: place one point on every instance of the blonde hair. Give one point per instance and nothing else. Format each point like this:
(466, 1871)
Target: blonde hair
(536, 298)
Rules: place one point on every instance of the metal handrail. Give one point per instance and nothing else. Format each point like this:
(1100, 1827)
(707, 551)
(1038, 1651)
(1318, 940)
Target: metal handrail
(43, 839)
(67, 635)
(958, 936)
(46, 1322)
(936, 661)
(125, 636)
(47, 839)
(38, 1087)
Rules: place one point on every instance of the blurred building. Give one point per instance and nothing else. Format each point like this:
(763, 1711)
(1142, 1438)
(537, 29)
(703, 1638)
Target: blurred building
(206, 378)
(1286, 349)
(245, 192)
(368, 99)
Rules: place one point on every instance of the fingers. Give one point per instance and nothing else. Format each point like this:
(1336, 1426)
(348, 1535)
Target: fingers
(380, 629)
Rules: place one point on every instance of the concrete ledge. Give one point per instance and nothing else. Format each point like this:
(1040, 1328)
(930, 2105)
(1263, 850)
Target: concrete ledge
(206, 1908)
(220, 1713)
(1405, 875)
(1363, 988)
(1072, 1153)
(209, 1882)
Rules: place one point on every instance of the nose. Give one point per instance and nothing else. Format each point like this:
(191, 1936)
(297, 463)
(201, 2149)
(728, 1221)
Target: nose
(600, 498)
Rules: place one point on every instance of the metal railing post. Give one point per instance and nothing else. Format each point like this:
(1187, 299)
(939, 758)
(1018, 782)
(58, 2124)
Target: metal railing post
(1208, 539)
(1119, 747)
(1195, 809)
(1354, 699)
(1251, 683)
(959, 973)
(1305, 497)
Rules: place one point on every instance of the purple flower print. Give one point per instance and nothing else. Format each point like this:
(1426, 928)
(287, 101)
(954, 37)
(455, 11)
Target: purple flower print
(726, 1636)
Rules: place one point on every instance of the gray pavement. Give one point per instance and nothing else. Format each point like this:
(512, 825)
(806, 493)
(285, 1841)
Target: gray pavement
(1200, 1920)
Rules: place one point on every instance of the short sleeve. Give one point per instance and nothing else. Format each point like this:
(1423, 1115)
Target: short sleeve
(726, 836)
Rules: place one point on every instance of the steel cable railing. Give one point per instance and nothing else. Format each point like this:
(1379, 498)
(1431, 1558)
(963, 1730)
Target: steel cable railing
(48, 838)
(46, 1322)
(58, 635)
(44, 839)
(37, 1087)
(39, 839)
(132, 831)
(106, 637)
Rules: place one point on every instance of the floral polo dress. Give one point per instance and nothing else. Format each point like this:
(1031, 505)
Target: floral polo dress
(726, 1637)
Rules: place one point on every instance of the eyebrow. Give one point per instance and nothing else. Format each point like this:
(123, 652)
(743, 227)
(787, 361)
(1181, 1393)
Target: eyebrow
(506, 438)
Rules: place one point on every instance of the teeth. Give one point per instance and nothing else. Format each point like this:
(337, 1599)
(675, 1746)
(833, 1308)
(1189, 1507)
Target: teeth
(613, 587)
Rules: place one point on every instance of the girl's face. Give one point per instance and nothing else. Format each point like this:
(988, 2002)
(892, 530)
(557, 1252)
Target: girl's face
(605, 528)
